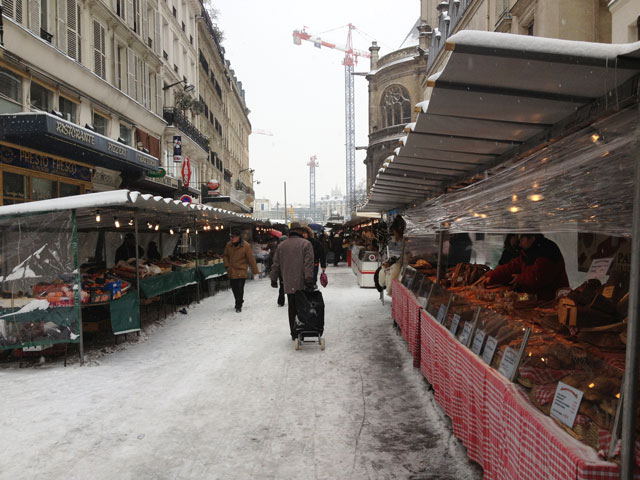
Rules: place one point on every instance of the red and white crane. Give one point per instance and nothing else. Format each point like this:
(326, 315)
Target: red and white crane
(350, 60)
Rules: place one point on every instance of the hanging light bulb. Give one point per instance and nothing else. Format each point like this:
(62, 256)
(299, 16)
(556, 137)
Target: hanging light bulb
(157, 227)
(98, 217)
(116, 222)
(149, 225)
(187, 229)
(221, 227)
(171, 231)
(131, 221)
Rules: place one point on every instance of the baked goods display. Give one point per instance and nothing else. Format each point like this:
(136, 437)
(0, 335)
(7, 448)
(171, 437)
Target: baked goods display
(578, 339)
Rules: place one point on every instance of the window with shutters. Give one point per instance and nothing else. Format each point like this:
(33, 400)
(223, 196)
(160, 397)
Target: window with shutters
(44, 16)
(12, 9)
(99, 50)
(132, 74)
(120, 70)
(73, 30)
(34, 16)
(137, 24)
(120, 10)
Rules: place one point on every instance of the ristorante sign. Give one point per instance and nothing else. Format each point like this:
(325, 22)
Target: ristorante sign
(43, 163)
(99, 143)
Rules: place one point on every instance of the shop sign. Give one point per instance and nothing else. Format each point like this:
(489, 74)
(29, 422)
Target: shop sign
(99, 143)
(186, 172)
(566, 403)
(159, 174)
(186, 199)
(43, 163)
(508, 362)
(489, 350)
(177, 148)
(166, 181)
(478, 340)
(454, 324)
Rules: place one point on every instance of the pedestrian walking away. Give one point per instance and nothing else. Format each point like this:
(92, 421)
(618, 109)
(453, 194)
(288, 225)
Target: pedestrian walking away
(238, 257)
(294, 260)
(319, 257)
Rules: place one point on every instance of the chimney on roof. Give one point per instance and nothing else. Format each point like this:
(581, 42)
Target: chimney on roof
(374, 49)
(424, 39)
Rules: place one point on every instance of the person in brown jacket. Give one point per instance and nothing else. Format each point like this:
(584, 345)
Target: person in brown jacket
(237, 257)
(294, 259)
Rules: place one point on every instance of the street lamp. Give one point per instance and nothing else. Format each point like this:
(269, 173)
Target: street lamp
(251, 170)
(188, 87)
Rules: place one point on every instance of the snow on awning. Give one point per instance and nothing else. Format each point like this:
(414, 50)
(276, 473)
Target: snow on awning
(499, 97)
(120, 204)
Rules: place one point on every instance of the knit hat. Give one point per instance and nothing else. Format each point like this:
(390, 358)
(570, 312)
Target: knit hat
(236, 231)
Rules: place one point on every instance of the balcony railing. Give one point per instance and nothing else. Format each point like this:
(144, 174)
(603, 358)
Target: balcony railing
(386, 134)
(174, 117)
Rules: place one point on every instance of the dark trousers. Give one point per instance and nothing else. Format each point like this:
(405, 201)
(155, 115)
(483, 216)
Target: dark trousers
(291, 300)
(281, 291)
(336, 257)
(315, 273)
(237, 287)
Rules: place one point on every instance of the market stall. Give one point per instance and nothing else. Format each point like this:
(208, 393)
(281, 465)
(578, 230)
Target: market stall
(535, 386)
(67, 261)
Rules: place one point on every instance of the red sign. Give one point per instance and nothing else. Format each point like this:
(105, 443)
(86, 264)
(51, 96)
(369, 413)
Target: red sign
(185, 199)
(186, 172)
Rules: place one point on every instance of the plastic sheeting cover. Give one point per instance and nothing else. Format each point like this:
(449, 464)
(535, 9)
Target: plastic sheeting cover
(37, 280)
(583, 183)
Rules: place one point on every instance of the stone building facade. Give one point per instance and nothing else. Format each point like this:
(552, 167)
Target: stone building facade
(394, 88)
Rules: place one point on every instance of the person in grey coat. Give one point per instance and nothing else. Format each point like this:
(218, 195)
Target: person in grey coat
(294, 260)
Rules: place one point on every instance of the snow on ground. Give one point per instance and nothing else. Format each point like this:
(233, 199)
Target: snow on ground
(219, 395)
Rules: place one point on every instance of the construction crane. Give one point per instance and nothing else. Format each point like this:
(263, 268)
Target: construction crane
(350, 60)
(312, 163)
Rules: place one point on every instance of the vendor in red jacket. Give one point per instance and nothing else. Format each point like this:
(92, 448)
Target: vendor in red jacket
(539, 269)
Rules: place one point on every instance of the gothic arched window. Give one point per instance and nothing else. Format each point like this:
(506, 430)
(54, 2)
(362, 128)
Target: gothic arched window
(395, 106)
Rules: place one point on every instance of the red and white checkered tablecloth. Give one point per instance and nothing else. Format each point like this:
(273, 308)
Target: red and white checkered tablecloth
(413, 328)
(498, 425)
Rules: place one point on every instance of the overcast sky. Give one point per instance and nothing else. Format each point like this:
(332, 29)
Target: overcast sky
(297, 92)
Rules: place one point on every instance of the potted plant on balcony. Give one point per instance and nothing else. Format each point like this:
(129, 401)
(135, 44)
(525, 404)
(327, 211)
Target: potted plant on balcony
(185, 102)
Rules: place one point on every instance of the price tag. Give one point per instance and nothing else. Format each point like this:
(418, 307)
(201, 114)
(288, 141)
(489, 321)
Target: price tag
(566, 403)
(478, 340)
(599, 268)
(489, 350)
(466, 331)
(454, 324)
(607, 292)
(440, 317)
(508, 362)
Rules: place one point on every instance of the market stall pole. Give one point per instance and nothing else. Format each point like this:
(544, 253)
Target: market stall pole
(78, 289)
(440, 248)
(630, 386)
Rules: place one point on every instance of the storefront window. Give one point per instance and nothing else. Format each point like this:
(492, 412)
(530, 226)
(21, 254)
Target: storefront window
(100, 123)
(10, 91)
(14, 188)
(68, 109)
(41, 98)
(42, 189)
(66, 189)
(125, 134)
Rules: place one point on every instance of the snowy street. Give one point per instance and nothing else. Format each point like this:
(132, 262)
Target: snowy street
(219, 395)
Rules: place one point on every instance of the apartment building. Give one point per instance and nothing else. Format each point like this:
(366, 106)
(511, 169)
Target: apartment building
(225, 120)
(94, 93)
